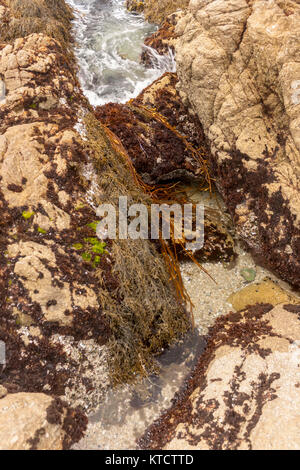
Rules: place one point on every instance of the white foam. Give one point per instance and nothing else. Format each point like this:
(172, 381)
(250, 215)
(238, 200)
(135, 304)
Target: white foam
(109, 43)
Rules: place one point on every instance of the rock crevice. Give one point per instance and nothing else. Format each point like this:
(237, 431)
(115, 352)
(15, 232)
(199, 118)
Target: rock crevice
(238, 68)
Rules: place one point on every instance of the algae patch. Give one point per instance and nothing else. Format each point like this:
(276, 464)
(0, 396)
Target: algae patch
(142, 309)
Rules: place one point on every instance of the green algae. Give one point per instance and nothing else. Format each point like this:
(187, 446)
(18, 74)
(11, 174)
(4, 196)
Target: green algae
(86, 256)
(27, 215)
(77, 246)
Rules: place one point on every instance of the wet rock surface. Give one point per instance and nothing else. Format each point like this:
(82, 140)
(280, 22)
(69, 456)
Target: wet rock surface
(266, 291)
(237, 64)
(245, 388)
(163, 97)
(38, 422)
(162, 41)
(158, 151)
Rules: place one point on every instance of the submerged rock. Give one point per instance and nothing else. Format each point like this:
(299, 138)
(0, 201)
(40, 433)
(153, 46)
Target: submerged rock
(267, 292)
(238, 64)
(244, 392)
(34, 421)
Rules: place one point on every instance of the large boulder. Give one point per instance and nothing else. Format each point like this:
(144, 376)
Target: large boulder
(244, 391)
(34, 421)
(238, 64)
(43, 299)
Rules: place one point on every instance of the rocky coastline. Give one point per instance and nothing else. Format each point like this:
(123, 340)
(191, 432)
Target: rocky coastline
(80, 316)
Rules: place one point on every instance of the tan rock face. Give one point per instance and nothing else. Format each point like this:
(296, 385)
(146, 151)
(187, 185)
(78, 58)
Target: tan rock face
(40, 156)
(157, 12)
(238, 64)
(33, 421)
(244, 392)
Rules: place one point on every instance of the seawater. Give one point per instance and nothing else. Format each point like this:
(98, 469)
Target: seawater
(109, 43)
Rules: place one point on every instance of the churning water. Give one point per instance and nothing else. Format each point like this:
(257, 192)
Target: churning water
(109, 44)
